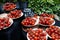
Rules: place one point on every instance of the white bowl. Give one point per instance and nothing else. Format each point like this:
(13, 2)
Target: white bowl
(37, 29)
(4, 15)
(7, 10)
(49, 35)
(11, 22)
(36, 23)
(48, 25)
(19, 16)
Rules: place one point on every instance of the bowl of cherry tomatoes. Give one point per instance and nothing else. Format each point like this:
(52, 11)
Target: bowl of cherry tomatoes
(5, 22)
(15, 14)
(54, 32)
(37, 34)
(30, 21)
(46, 21)
(9, 6)
(47, 15)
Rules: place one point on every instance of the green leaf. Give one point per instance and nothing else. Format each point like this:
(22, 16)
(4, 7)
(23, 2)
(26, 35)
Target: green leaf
(57, 1)
(29, 5)
(58, 7)
(43, 1)
(43, 9)
(51, 2)
(15, 0)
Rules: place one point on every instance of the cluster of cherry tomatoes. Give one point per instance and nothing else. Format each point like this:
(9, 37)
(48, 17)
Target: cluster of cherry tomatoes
(9, 6)
(46, 20)
(35, 16)
(28, 21)
(15, 14)
(54, 32)
(4, 22)
(37, 34)
(47, 15)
